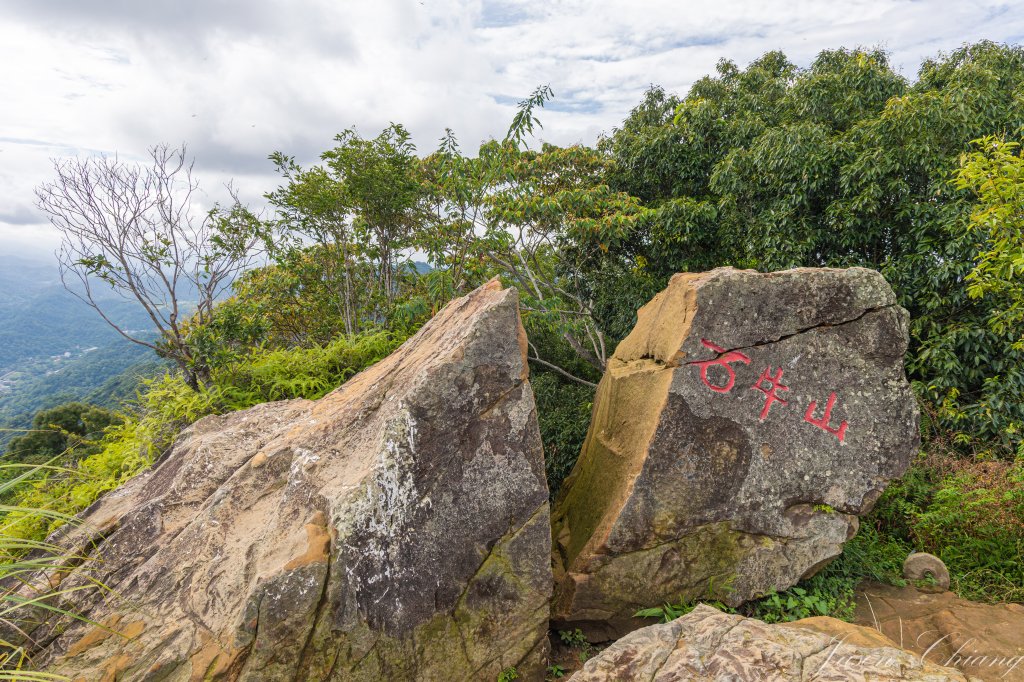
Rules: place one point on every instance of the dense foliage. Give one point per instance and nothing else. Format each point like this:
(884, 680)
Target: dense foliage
(847, 164)
(70, 426)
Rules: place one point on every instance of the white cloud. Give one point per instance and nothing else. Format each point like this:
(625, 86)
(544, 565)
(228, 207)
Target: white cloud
(239, 80)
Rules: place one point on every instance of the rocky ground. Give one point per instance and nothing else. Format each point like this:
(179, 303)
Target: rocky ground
(707, 644)
(983, 640)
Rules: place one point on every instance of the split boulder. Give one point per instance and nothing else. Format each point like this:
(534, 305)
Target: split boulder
(737, 435)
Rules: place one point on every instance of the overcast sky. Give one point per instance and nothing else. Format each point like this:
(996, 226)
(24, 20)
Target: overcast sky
(237, 80)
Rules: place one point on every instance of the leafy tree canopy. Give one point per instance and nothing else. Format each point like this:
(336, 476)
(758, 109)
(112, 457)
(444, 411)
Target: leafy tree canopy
(844, 163)
(58, 430)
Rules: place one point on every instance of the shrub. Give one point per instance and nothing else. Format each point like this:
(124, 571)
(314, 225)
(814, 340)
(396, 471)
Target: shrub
(563, 410)
(126, 450)
(974, 522)
(301, 372)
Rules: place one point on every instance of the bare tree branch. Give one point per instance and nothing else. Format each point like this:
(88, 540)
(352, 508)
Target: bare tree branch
(133, 227)
(544, 363)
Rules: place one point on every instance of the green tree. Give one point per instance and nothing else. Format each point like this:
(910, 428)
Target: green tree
(844, 163)
(539, 218)
(455, 198)
(310, 207)
(550, 220)
(995, 173)
(61, 429)
(359, 210)
(381, 187)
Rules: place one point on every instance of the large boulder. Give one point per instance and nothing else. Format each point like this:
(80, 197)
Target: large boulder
(707, 644)
(739, 431)
(397, 528)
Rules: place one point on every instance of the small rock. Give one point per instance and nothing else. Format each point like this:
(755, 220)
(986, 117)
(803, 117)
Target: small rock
(927, 572)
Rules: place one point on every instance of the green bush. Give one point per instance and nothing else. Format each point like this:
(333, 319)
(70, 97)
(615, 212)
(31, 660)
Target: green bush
(55, 430)
(975, 524)
(126, 449)
(301, 372)
(563, 410)
(799, 602)
(669, 611)
(969, 513)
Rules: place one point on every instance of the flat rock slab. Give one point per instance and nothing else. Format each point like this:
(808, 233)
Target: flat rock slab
(983, 640)
(739, 431)
(707, 644)
(397, 528)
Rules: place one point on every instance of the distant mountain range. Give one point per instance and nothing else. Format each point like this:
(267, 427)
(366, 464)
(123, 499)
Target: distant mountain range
(39, 318)
(54, 348)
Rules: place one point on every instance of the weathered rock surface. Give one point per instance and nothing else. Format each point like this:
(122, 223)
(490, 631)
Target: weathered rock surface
(707, 644)
(737, 434)
(984, 640)
(396, 529)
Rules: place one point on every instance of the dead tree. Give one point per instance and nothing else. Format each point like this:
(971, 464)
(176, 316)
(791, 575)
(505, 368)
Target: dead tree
(133, 228)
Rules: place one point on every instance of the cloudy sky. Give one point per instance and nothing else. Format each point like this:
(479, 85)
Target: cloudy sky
(238, 79)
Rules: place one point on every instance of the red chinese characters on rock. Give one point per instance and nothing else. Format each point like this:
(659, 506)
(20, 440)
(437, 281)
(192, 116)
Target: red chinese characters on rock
(769, 383)
(723, 360)
(822, 423)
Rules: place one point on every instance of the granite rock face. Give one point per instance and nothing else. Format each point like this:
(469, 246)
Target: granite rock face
(739, 431)
(707, 644)
(397, 528)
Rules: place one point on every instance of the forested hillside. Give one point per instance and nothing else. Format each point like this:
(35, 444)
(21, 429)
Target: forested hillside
(54, 349)
(107, 376)
(39, 318)
(769, 166)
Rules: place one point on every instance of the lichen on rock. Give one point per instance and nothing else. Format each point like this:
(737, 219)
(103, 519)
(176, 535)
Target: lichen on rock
(707, 644)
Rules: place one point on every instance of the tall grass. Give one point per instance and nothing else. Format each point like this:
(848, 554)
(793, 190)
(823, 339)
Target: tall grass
(27, 595)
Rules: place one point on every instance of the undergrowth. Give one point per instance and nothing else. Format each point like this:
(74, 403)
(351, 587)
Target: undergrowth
(563, 413)
(26, 595)
(166, 405)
